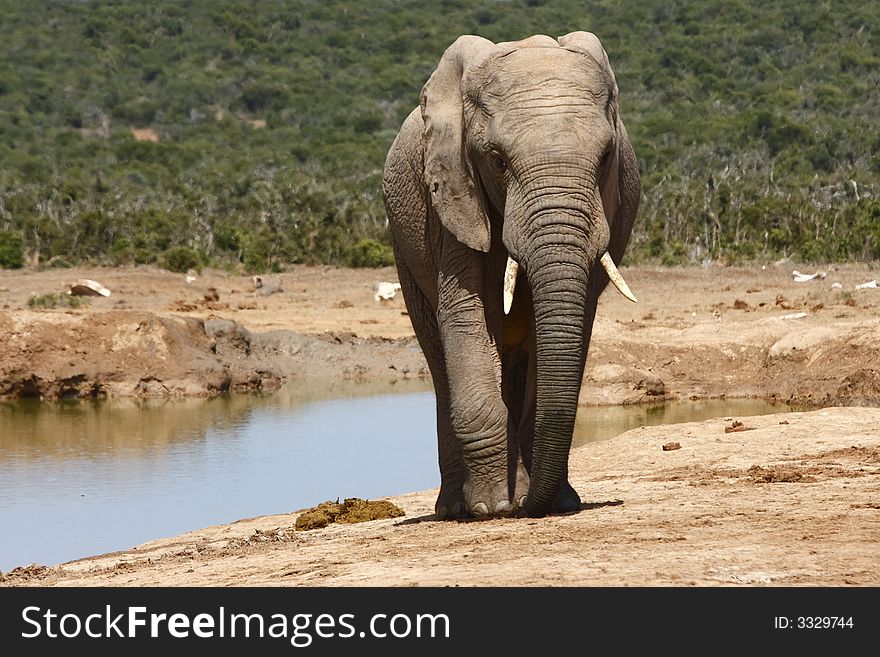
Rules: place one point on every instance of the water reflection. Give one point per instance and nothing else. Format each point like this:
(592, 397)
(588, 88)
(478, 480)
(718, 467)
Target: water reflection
(127, 428)
(81, 478)
(603, 422)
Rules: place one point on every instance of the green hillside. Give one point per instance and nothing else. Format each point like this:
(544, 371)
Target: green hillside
(756, 124)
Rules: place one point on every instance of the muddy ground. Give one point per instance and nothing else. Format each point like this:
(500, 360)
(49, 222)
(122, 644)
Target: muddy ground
(791, 501)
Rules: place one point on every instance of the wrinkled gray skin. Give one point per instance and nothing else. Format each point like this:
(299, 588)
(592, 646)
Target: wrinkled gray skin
(516, 148)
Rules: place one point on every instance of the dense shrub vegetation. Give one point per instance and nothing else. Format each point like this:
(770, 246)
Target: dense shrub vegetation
(253, 133)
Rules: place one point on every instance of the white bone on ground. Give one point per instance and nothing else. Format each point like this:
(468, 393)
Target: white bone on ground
(385, 291)
(803, 278)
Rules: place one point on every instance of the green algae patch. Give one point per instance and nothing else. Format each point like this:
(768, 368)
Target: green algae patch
(350, 511)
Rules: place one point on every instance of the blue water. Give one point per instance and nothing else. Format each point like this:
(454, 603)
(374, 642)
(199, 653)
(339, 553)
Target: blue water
(102, 488)
(84, 478)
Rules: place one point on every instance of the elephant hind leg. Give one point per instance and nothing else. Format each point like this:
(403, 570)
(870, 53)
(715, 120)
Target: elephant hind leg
(450, 502)
(515, 383)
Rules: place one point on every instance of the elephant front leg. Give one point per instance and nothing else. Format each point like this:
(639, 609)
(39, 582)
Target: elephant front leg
(477, 413)
(478, 418)
(450, 501)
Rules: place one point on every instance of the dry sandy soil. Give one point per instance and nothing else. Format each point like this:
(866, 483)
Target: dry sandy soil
(791, 500)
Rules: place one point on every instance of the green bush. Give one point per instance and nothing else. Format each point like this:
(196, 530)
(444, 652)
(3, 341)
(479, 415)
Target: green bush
(53, 300)
(256, 254)
(49, 300)
(180, 259)
(58, 262)
(261, 97)
(675, 256)
(11, 256)
(370, 253)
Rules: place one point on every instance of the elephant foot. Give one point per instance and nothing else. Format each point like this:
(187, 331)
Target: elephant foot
(567, 500)
(450, 504)
(488, 499)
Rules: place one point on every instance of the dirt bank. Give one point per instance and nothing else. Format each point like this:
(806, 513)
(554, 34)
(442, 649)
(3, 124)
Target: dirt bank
(696, 333)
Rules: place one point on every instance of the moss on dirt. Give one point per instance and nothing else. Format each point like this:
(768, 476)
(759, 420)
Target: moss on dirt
(351, 510)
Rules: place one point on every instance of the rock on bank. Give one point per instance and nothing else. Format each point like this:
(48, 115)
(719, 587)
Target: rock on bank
(61, 354)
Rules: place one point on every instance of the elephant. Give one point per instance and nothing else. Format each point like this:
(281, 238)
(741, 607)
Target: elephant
(510, 193)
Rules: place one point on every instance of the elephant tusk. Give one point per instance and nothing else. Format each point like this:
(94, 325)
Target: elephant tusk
(616, 278)
(510, 283)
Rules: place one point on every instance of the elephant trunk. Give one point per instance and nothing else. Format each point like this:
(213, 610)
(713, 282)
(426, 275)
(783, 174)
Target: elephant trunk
(557, 271)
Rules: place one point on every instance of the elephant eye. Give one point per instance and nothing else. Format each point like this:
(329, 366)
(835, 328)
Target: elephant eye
(500, 163)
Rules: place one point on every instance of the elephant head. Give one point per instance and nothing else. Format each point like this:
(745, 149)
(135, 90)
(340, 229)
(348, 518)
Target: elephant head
(525, 155)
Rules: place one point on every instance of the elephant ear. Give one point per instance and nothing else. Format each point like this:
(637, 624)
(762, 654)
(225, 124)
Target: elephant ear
(449, 174)
(611, 179)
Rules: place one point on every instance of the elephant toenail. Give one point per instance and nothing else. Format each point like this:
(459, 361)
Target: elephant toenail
(480, 509)
(503, 507)
(522, 502)
(441, 513)
(457, 508)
